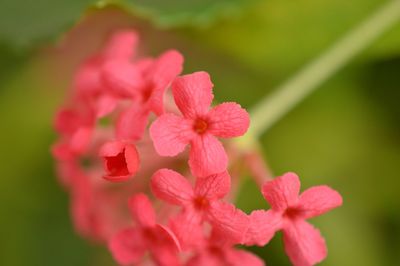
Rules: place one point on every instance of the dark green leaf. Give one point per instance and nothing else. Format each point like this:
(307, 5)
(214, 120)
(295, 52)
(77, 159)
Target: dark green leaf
(183, 12)
(25, 22)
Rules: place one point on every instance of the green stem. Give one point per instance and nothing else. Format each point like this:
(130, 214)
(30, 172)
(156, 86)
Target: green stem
(267, 112)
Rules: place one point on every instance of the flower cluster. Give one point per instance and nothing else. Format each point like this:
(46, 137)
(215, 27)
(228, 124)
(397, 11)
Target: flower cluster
(124, 128)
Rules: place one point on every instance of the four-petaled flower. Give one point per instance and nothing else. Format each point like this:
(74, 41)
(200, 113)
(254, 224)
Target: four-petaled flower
(199, 125)
(94, 86)
(201, 203)
(148, 94)
(130, 245)
(303, 243)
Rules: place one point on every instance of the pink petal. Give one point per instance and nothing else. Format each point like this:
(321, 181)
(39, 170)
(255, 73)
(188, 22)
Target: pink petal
(193, 94)
(80, 140)
(156, 100)
(164, 256)
(213, 187)
(65, 171)
(171, 187)
(218, 238)
(228, 120)
(237, 257)
(121, 77)
(171, 239)
(282, 192)
(262, 227)
(166, 68)
(132, 123)
(111, 148)
(318, 200)
(127, 247)
(170, 134)
(165, 249)
(121, 160)
(207, 156)
(61, 151)
(105, 104)
(206, 258)
(187, 226)
(145, 65)
(226, 218)
(82, 198)
(67, 121)
(142, 210)
(122, 45)
(87, 79)
(132, 158)
(303, 243)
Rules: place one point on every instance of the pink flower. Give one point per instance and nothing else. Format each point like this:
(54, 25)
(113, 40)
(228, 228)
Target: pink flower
(130, 245)
(91, 151)
(121, 160)
(201, 203)
(303, 243)
(76, 130)
(95, 86)
(155, 77)
(93, 206)
(216, 252)
(199, 125)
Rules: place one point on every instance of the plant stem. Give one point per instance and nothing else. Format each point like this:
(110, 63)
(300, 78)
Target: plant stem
(267, 112)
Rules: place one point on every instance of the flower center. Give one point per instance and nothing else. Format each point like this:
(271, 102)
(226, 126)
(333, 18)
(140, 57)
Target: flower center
(116, 165)
(147, 92)
(201, 203)
(200, 126)
(292, 213)
(149, 234)
(216, 251)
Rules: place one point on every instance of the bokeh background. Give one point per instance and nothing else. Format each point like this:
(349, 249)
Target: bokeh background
(346, 134)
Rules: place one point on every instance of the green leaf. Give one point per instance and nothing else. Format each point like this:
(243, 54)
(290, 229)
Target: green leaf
(26, 22)
(182, 12)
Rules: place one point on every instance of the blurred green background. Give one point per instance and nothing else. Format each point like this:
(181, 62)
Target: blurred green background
(346, 134)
